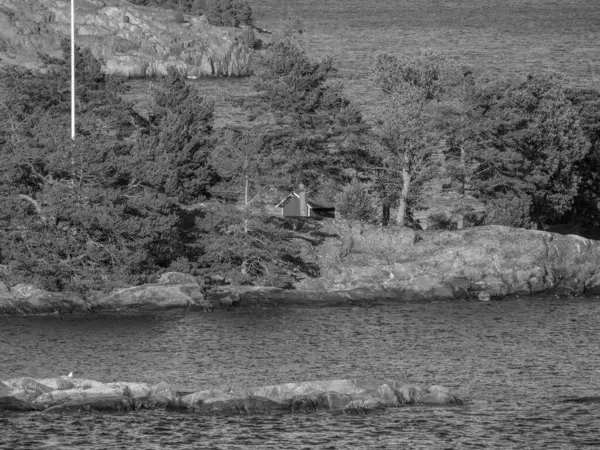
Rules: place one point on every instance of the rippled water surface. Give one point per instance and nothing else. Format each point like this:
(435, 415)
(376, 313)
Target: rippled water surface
(516, 360)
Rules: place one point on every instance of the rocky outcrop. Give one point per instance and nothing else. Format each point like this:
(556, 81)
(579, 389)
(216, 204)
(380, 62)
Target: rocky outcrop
(174, 290)
(153, 296)
(177, 278)
(346, 396)
(26, 299)
(365, 266)
(481, 262)
(131, 40)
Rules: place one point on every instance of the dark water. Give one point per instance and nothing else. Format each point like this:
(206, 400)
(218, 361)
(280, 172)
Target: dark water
(516, 360)
(508, 36)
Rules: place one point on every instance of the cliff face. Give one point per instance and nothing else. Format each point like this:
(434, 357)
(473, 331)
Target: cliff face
(131, 40)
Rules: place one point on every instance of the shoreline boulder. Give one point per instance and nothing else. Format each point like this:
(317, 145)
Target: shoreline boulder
(173, 290)
(152, 296)
(42, 302)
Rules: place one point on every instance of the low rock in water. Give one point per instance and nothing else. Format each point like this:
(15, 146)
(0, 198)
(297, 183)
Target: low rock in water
(345, 396)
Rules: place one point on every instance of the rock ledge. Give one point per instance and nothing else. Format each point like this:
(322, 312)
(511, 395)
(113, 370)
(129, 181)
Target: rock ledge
(335, 396)
(132, 41)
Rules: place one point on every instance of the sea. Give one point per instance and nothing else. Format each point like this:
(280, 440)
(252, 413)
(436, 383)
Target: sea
(519, 363)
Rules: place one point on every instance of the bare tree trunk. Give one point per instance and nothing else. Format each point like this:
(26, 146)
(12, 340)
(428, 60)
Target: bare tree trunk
(385, 215)
(401, 213)
(460, 222)
(246, 205)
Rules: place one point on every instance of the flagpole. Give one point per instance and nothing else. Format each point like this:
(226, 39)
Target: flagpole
(73, 70)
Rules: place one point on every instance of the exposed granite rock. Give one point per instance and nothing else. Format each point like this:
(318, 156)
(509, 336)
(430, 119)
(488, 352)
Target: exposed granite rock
(23, 290)
(185, 294)
(10, 400)
(84, 390)
(154, 296)
(161, 394)
(43, 302)
(361, 238)
(471, 264)
(481, 262)
(26, 389)
(132, 41)
(177, 278)
(347, 396)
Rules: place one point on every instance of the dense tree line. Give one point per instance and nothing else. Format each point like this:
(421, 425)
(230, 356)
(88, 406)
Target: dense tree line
(133, 196)
(130, 196)
(526, 147)
(104, 208)
(227, 13)
(310, 138)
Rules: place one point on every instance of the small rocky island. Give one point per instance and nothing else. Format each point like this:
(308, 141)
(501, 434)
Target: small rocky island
(60, 395)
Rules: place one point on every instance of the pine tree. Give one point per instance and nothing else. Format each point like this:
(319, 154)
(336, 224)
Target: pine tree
(587, 203)
(245, 241)
(318, 134)
(529, 144)
(411, 127)
(104, 210)
(174, 153)
(228, 13)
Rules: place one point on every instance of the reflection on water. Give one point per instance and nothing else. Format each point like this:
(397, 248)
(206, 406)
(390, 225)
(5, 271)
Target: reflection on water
(515, 359)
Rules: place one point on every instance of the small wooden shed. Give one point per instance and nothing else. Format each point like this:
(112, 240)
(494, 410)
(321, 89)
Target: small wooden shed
(296, 205)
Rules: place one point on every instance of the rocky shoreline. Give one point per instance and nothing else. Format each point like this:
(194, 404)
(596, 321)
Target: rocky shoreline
(367, 266)
(64, 394)
(132, 41)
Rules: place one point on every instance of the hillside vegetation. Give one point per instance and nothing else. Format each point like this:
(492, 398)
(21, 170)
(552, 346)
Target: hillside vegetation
(139, 194)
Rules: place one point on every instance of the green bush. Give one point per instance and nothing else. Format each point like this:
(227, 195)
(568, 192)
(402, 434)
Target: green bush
(228, 13)
(441, 221)
(509, 210)
(355, 202)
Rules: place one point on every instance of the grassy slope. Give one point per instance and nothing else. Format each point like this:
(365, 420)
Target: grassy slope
(506, 36)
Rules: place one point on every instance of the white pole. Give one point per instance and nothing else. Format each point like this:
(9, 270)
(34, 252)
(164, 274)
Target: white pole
(73, 70)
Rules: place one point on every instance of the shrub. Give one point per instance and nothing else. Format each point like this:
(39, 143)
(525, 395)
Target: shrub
(512, 211)
(441, 221)
(355, 202)
(228, 13)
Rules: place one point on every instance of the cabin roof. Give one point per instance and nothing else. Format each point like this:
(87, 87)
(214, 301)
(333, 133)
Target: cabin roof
(309, 203)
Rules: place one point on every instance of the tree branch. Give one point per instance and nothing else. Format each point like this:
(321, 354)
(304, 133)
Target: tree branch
(36, 205)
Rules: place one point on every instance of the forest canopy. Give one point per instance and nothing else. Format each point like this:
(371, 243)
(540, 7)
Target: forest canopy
(136, 195)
